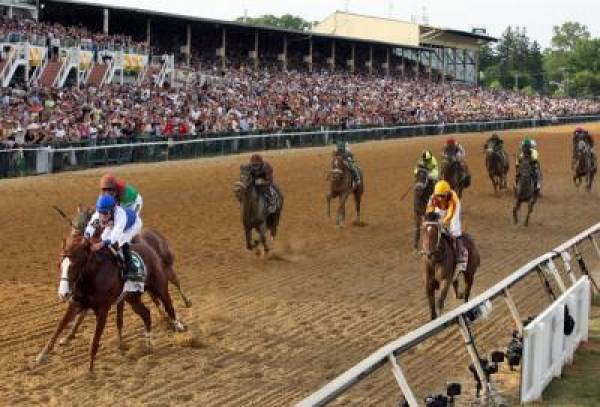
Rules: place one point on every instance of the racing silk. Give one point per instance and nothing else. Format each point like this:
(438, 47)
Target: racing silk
(449, 212)
(120, 230)
(585, 136)
(534, 156)
(431, 166)
(265, 172)
(494, 144)
(131, 198)
(456, 150)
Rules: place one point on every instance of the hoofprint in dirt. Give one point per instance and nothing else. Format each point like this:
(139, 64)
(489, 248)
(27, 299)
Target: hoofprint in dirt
(266, 332)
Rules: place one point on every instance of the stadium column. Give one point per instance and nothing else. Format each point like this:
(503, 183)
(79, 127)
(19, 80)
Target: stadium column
(310, 55)
(10, 13)
(443, 64)
(371, 60)
(223, 47)
(255, 50)
(430, 64)
(464, 56)
(403, 66)
(148, 30)
(476, 56)
(455, 62)
(353, 58)
(188, 45)
(284, 54)
(333, 56)
(105, 22)
(387, 61)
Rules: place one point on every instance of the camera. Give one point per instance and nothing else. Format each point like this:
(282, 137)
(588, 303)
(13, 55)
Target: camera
(440, 400)
(483, 310)
(489, 369)
(514, 350)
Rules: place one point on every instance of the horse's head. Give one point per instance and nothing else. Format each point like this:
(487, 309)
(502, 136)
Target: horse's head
(525, 168)
(246, 181)
(81, 220)
(337, 167)
(421, 178)
(582, 147)
(431, 234)
(72, 261)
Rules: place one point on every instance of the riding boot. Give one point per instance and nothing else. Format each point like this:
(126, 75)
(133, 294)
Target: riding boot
(461, 254)
(128, 266)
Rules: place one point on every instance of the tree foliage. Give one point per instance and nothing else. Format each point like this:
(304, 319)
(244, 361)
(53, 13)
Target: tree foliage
(285, 21)
(571, 66)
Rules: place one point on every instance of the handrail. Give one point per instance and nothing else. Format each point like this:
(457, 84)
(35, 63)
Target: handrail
(12, 54)
(37, 72)
(107, 73)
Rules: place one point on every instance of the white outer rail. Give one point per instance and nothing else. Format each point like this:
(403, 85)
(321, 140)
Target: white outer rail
(356, 373)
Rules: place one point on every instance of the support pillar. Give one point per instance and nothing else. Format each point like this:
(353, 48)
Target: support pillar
(353, 58)
(464, 52)
(387, 62)
(333, 56)
(403, 63)
(285, 47)
(443, 65)
(188, 45)
(310, 55)
(148, 31)
(10, 12)
(430, 65)
(223, 47)
(255, 50)
(371, 60)
(105, 22)
(476, 56)
(454, 55)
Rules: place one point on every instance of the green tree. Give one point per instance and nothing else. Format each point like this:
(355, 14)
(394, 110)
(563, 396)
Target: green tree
(285, 21)
(565, 36)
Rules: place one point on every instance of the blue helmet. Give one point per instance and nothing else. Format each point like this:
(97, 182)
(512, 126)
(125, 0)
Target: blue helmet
(105, 203)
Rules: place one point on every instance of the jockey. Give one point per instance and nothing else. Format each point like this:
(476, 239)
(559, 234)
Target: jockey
(494, 143)
(453, 149)
(581, 134)
(529, 152)
(446, 203)
(263, 175)
(120, 227)
(429, 163)
(125, 194)
(343, 150)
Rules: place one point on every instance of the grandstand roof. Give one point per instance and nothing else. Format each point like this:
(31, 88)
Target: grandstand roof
(237, 24)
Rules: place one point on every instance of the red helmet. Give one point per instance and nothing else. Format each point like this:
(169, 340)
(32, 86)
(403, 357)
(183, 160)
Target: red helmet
(256, 159)
(108, 181)
(579, 129)
(120, 186)
(450, 142)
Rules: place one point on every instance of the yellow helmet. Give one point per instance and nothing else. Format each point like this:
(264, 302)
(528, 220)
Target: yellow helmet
(442, 188)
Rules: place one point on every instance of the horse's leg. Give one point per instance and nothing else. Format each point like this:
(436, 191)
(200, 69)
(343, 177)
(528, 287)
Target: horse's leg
(328, 200)
(139, 308)
(248, 234)
(101, 316)
(341, 212)
(120, 308)
(175, 281)
(417, 230)
(529, 210)
(72, 310)
(443, 294)
(65, 340)
(516, 211)
(165, 298)
(357, 198)
(455, 285)
(469, 277)
(430, 292)
(262, 230)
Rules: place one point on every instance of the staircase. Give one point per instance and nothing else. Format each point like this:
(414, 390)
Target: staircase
(97, 75)
(48, 77)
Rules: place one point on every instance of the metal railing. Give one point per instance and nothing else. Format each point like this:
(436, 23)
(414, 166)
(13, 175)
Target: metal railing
(85, 154)
(543, 265)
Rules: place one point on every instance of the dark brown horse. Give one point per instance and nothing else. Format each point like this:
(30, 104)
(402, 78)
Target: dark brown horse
(94, 277)
(525, 190)
(456, 174)
(585, 165)
(423, 189)
(439, 264)
(254, 209)
(342, 187)
(496, 162)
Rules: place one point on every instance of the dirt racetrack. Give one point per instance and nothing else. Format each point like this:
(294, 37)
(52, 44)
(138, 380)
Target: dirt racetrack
(267, 333)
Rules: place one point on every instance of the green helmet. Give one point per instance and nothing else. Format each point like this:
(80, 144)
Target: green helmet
(527, 142)
(426, 156)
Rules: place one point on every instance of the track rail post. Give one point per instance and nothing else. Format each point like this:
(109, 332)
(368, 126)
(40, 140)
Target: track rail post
(399, 375)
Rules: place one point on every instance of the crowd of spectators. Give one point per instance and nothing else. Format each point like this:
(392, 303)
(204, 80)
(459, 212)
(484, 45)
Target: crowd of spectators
(240, 99)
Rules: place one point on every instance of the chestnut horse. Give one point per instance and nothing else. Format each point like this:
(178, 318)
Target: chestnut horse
(439, 264)
(341, 187)
(94, 277)
(422, 192)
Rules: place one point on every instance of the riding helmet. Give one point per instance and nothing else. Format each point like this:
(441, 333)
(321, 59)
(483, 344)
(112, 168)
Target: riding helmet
(256, 159)
(442, 188)
(450, 142)
(108, 181)
(105, 203)
(426, 156)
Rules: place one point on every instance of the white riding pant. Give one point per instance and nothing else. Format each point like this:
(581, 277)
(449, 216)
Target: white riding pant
(455, 228)
(127, 235)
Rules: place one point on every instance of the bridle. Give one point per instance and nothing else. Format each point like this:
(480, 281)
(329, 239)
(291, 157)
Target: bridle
(430, 254)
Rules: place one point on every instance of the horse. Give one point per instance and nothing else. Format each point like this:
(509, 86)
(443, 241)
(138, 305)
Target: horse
(585, 165)
(456, 174)
(439, 264)
(423, 189)
(497, 166)
(525, 191)
(96, 284)
(254, 209)
(341, 187)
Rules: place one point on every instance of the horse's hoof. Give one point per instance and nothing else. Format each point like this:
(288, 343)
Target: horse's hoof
(178, 326)
(187, 302)
(42, 358)
(64, 341)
